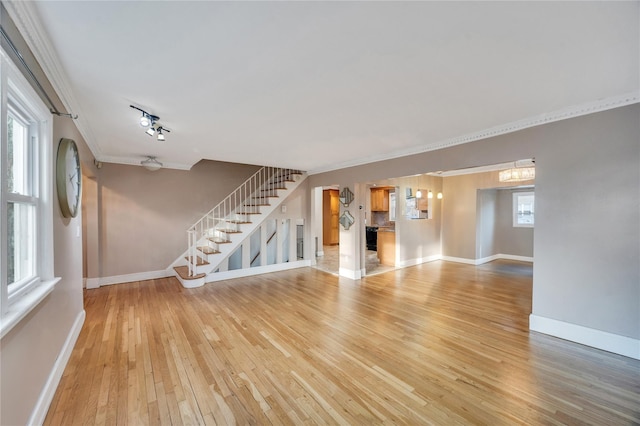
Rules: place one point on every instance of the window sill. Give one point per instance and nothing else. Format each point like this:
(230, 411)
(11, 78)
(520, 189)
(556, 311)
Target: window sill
(27, 302)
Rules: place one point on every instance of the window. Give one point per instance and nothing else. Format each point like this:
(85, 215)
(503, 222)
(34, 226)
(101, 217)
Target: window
(26, 247)
(523, 209)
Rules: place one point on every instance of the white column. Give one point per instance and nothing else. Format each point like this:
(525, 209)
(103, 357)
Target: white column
(350, 239)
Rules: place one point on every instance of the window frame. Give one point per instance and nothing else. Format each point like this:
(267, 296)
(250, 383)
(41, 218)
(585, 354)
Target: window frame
(514, 208)
(19, 99)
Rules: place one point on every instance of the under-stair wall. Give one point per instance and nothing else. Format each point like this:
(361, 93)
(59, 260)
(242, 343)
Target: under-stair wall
(267, 242)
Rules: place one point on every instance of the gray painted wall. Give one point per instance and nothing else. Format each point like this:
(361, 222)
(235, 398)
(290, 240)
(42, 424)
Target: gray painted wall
(470, 214)
(587, 260)
(587, 239)
(510, 240)
(486, 216)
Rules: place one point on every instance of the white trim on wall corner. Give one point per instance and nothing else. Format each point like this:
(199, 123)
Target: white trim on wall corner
(48, 391)
(350, 273)
(609, 342)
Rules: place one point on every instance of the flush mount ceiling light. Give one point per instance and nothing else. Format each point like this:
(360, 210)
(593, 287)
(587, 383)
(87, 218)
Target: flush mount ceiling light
(152, 122)
(522, 170)
(151, 163)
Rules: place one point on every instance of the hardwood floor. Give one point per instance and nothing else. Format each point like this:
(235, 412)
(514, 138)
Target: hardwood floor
(438, 343)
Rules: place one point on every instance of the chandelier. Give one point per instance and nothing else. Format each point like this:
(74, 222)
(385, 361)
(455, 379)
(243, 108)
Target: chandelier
(517, 174)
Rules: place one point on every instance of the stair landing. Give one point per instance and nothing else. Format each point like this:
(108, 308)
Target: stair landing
(188, 281)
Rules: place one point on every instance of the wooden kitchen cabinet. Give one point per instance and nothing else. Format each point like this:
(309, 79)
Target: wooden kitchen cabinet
(379, 200)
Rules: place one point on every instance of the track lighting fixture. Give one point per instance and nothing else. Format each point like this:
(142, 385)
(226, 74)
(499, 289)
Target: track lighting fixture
(152, 122)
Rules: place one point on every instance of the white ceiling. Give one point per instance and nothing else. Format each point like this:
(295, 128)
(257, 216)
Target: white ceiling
(321, 85)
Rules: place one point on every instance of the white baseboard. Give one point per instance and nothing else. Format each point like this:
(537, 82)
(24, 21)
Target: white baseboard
(609, 342)
(487, 259)
(350, 273)
(48, 391)
(417, 261)
(92, 283)
(138, 276)
(514, 257)
(247, 272)
(320, 253)
(459, 260)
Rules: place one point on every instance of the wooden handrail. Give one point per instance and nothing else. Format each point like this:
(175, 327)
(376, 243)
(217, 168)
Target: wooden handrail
(260, 251)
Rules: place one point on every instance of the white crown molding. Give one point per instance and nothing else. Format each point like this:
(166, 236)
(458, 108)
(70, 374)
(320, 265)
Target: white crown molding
(26, 19)
(514, 126)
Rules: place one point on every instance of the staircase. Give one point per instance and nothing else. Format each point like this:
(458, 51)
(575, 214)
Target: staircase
(224, 228)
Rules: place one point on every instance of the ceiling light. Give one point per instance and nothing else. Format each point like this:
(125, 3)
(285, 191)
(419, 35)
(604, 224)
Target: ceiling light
(418, 194)
(429, 194)
(152, 122)
(439, 195)
(144, 120)
(151, 163)
(517, 174)
(161, 137)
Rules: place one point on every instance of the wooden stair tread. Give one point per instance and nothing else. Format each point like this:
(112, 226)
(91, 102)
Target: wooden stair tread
(219, 240)
(199, 261)
(183, 271)
(239, 222)
(228, 231)
(208, 250)
(247, 213)
(257, 205)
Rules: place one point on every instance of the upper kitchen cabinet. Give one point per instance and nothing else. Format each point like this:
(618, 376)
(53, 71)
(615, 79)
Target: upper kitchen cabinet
(379, 200)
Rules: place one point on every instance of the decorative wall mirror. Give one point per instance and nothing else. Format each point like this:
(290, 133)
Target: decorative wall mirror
(346, 220)
(346, 197)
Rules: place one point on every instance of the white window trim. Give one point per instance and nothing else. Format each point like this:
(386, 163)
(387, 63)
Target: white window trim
(16, 306)
(514, 209)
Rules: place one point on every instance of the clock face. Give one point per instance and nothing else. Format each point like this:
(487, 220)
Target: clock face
(68, 177)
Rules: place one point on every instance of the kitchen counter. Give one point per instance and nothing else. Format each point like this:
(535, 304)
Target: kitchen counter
(386, 229)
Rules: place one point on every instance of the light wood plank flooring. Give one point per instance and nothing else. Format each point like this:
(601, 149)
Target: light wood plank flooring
(438, 343)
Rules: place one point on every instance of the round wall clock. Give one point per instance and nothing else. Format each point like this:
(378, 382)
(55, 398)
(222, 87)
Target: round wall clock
(68, 177)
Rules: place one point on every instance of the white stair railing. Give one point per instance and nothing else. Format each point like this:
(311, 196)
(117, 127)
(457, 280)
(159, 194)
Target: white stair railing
(224, 219)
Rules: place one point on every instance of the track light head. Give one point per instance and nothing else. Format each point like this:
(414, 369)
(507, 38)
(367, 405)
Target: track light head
(144, 120)
(151, 131)
(160, 135)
